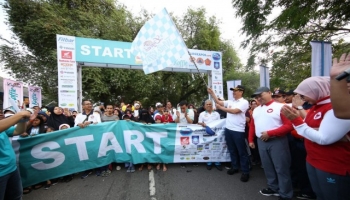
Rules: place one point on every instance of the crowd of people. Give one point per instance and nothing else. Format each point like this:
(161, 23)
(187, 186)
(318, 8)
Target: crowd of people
(300, 137)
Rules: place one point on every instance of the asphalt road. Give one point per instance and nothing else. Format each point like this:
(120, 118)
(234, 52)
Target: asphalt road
(195, 183)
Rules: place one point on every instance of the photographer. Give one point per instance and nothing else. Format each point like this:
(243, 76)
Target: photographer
(340, 96)
(10, 180)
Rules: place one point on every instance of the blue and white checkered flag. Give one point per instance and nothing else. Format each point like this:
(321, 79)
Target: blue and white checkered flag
(158, 43)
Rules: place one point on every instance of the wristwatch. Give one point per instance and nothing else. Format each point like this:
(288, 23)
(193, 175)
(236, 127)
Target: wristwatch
(300, 108)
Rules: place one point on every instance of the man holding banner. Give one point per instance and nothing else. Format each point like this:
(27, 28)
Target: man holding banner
(235, 130)
(10, 180)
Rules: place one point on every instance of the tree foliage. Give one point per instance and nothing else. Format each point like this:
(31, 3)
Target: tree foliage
(35, 24)
(284, 40)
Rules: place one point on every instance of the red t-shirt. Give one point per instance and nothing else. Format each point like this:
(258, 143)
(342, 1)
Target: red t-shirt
(333, 158)
(168, 118)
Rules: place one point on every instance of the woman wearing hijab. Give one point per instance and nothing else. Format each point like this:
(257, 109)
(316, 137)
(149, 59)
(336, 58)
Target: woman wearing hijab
(57, 118)
(145, 117)
(327, 140)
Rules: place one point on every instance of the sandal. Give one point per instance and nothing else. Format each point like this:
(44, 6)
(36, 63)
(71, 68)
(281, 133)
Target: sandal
(158, 167)
(141, 168)
(27, 190)
(149, 167)
(38, 186)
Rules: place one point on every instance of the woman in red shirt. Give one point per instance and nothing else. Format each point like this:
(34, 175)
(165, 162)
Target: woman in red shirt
(326, 140)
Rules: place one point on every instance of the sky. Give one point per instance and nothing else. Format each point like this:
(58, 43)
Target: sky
(221, 9)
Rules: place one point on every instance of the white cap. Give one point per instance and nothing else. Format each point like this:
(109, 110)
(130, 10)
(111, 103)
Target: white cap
(30, 110)
(159, 104)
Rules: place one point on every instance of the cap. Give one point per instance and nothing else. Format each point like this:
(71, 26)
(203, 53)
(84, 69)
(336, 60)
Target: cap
(159, 104)
(9, 109)
(260, 90)
(30, 110)
(290, 92)
(278, 92)
(238, 87)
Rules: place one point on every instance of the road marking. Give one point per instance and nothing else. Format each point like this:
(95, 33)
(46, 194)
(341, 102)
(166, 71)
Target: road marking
(152, 186)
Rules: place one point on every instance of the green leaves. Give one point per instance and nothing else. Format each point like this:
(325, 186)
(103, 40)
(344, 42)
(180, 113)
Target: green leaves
(36, 23)
(279, 33)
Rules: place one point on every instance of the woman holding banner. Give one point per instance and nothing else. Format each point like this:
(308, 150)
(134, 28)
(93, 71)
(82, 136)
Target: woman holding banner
(10, 180)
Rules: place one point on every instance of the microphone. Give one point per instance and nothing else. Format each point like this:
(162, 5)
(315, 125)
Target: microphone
(343, 75)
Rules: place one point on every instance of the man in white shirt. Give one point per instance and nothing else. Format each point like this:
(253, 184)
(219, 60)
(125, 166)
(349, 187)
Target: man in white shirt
(84, 119)
(271, 128)
(185, 115)
(88, 116)
(235, 130)
(206, 117)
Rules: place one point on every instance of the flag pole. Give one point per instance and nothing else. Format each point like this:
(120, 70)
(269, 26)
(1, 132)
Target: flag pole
(194, 62)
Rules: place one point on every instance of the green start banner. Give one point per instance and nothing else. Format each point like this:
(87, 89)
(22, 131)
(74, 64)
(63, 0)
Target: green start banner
(56, 154)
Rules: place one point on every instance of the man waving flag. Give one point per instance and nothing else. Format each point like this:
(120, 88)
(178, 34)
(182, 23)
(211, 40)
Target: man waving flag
(158, 43)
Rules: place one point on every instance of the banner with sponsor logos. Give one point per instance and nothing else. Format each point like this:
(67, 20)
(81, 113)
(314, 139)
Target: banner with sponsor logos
(60, 153)
(67, 72)
(34, 96)
(12, 90)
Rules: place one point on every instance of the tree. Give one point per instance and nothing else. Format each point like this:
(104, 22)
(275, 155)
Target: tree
(250, 80)
(36, 23)
(289, 33)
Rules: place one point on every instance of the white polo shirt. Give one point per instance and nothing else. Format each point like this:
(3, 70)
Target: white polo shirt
(94, 118)
(183, 119)
(208, 117)
(267, 117)
(236, 122)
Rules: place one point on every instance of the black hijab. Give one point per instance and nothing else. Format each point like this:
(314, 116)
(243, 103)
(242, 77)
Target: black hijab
(145, 117)
(56, 120)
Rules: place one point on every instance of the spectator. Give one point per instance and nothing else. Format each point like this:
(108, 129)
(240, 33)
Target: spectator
(128, 115)
(84, 119)
(206, 117)
(35, 127)
(57, 118)
(146, 117)
(166, 117)
(10, 179)
(184, 116)
(158, 116)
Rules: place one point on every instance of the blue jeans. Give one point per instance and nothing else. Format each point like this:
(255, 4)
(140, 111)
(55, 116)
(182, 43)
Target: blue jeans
(237, 147)
(11, 186)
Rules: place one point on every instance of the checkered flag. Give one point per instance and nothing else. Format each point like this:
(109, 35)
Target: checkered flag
(158, 43)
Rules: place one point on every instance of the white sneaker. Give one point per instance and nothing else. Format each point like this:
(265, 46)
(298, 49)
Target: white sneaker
(118, 168)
